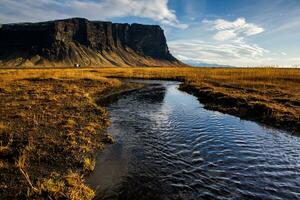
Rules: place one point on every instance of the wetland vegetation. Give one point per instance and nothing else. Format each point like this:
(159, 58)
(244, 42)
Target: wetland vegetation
(51, 126)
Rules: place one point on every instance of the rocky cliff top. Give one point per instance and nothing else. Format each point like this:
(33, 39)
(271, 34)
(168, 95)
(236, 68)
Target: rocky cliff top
(89, 43)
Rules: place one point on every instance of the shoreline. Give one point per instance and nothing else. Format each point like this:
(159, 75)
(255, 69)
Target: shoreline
(51, 131)
(231, 105)
(241, 108)
(109, 96)
(269, 96)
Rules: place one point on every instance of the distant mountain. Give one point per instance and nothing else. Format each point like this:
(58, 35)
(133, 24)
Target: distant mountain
(87, 43)
(196, 64)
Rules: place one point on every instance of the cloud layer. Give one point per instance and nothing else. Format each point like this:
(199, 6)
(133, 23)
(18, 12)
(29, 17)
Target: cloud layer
(226, 43)
(237, 53)
(232, 29)
(37, 10)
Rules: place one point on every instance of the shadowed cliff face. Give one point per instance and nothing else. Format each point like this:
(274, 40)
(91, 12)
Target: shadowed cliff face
(90, 43)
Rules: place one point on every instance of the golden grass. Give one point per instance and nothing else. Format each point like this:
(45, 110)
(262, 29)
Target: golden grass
(89, 164)
(268, 95)
(275, 89)
(49, 121)
(70, 186)
(77, 190)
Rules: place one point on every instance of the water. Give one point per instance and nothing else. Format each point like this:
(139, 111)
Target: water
(169, 147)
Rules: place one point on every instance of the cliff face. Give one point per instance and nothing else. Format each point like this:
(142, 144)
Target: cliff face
(89, 43)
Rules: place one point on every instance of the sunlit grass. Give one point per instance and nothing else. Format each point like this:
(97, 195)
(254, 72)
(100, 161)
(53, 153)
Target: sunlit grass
(49, 122)
(50, 116)
(274, 93)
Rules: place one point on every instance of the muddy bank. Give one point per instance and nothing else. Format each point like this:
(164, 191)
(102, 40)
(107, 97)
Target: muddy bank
(109, 96)
(266, 95)
(258, 111)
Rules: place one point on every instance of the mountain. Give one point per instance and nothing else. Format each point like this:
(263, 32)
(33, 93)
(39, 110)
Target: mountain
(200, 64)
(68, 42)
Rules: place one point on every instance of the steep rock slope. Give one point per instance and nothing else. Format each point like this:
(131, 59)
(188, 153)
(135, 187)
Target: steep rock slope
(89, 43)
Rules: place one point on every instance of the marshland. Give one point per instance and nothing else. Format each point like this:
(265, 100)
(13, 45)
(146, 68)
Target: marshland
(149, 100)
(52, 126)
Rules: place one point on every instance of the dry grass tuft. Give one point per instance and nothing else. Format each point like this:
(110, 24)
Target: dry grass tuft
(49, 122)
(70, 187)
(70, 124)
(2, 127)
(51, 186)
(77, 190)
(89, 164)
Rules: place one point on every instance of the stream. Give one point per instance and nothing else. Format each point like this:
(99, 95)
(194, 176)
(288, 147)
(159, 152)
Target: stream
(169, 147)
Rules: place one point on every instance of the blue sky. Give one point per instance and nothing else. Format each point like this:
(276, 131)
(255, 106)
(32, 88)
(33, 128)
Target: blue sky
(231, 32)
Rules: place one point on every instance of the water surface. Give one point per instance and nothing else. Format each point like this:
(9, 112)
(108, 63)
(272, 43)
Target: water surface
(169, 147)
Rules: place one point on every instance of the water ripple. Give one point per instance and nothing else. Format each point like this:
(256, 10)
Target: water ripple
(170, 147)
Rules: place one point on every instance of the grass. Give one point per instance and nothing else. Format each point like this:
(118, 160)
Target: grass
(267, 95)
(89, 164)
(70, 186)
(51, 127)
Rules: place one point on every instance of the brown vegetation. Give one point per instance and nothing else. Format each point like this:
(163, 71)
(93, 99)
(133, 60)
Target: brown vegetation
(51, 127)
(267, 95)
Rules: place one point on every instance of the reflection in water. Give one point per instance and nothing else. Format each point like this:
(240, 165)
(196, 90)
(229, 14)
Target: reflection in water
(169, 147)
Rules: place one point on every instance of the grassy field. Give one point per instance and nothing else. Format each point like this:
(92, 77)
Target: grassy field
(51, 127)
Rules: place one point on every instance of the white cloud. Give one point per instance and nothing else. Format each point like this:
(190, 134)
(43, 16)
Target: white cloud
(232, 29)
(221, 24)
(37, 10)
(252, 29)
(237, 52)
(225, 35)
(283, 53)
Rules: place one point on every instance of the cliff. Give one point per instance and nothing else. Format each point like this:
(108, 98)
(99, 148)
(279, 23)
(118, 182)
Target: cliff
(88, 43)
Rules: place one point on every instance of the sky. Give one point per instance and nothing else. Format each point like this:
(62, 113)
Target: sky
(228, 32)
